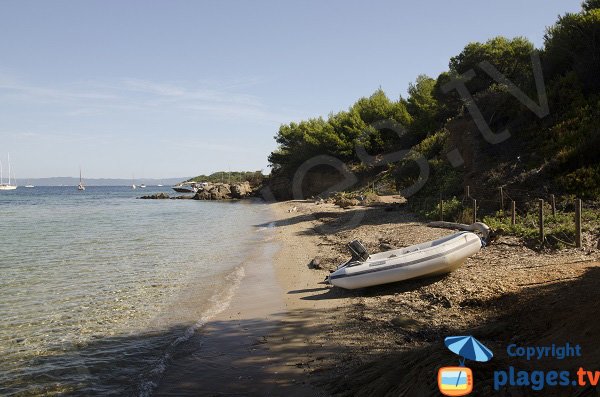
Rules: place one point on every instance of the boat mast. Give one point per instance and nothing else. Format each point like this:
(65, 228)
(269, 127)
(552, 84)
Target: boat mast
(9, 169)
(1, 176)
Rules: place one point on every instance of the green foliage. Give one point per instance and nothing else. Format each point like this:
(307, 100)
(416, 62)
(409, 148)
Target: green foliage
(376, 109)
(449, 103)
(433, 144)
(573, 141)
(566, 93)
(559, 230)
(351, 199)
(511, 57)
(254, 177)
(452, 210)
(585, 181)
(572, 45)
(339, 135)
(423, 106)
(443, 178)
(562, 147)
(589, 5)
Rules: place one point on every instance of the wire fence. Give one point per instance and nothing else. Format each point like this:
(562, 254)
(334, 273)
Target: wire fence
(537, 215)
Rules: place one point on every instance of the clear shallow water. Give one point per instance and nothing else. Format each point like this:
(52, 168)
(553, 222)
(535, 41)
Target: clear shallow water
(97, 288)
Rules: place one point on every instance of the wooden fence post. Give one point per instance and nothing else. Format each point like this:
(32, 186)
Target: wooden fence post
(501, 200)
(514, 213)
(541, 221)
(441, 209)
(474, 210)
(553, 202)
(578, 223)
(467, 191)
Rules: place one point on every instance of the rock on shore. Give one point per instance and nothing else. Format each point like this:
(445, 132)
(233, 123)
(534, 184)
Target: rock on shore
(224, 191)
(211, 191)
(157, 196)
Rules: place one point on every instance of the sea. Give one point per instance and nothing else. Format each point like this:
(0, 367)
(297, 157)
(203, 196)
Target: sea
(98, 288)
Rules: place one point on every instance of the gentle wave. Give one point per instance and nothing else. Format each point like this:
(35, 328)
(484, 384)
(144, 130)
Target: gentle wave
(219, 302)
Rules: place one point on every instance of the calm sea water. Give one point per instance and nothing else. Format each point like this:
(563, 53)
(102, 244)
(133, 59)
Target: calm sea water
(97, 288)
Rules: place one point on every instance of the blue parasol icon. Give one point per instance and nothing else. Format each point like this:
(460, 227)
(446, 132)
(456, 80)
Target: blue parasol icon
(468, 348)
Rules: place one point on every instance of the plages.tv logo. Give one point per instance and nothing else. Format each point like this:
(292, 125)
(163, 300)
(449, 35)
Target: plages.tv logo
(458, 381)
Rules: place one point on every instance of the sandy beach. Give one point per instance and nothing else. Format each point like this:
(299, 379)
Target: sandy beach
(286, 333)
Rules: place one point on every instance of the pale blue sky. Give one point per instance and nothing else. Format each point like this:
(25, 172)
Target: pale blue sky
(171, 88)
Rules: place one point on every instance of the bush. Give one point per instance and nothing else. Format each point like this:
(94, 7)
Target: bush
(584, 181)
(559, 230)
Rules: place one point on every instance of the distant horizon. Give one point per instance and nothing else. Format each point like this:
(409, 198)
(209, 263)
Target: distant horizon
(73, 181)
(134, 178)
(77, 177)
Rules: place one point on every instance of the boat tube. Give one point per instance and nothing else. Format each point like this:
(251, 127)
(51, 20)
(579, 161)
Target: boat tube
(422, 260)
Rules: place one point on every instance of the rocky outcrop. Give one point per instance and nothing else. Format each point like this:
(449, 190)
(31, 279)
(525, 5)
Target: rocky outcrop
(165, 196)
(220, 192)
(157, 196)
(241, 190)
(319, 181)
(224, 191)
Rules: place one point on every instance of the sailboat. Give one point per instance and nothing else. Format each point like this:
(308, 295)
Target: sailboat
(133, 182)
(80, 186)
(6, 186)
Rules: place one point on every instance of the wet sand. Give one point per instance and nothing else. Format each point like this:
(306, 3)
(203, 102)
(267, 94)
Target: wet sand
(250, 348)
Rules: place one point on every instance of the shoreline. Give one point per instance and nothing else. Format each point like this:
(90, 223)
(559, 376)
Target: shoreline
(312, 339)
(243, 349)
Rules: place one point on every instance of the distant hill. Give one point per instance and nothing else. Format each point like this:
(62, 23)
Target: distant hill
(70, 181)
(254, 177)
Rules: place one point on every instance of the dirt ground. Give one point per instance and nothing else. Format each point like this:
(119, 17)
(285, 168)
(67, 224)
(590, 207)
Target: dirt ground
(388, 340)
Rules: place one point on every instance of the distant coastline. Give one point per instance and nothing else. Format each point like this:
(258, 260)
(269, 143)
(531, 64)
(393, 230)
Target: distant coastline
(73, 181)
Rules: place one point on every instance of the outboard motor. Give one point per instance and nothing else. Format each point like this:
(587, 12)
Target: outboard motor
(358, 251)
(359, 254)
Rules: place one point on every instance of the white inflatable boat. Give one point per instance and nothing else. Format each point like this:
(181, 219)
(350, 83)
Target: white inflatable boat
(427, 259)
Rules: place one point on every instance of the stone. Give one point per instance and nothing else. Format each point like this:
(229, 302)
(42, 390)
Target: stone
(387, 246)
(220, 191)
(224, 191)
(240, 190)
(315, 264)
(157, 196)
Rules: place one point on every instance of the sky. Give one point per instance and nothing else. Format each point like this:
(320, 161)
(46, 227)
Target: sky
(157, 89)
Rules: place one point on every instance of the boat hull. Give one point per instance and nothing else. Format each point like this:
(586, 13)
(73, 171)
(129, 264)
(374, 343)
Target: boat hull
(7, 187)
(183, 190)
(423, 260)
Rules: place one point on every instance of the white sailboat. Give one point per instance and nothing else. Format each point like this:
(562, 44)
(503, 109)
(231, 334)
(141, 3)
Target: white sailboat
(133, 182)
(80, 186)
(9, 185)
